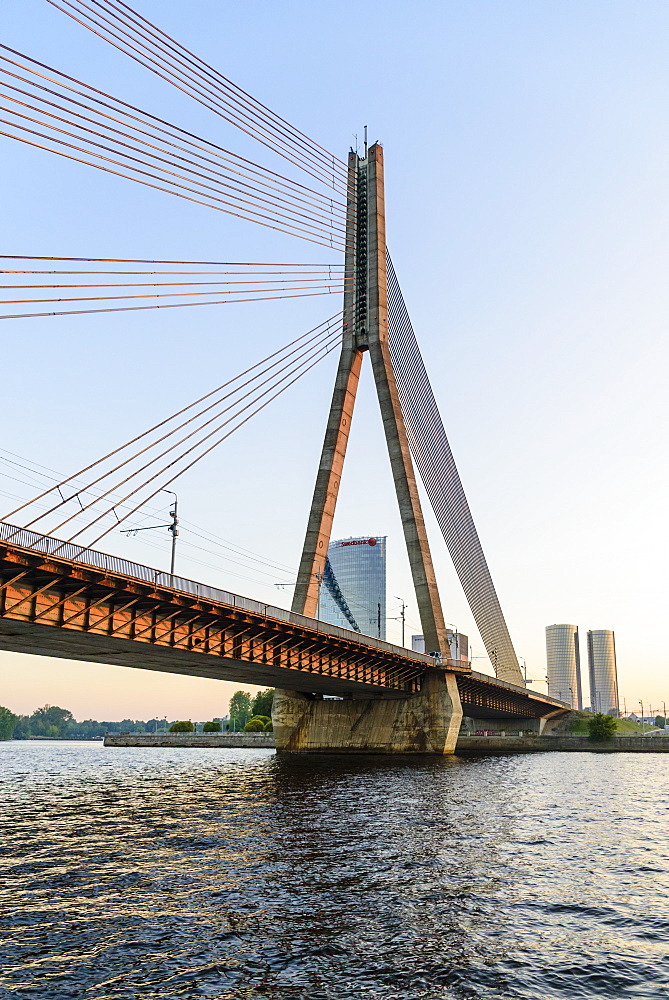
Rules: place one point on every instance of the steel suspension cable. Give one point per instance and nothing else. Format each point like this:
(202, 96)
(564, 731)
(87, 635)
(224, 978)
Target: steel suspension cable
(278, 220)
(110, 298)
(142, 260)
(291, 369)
(433, 456)
(275, 390)
(276, 354)
(302, 208)
(77, 273)
(290, 210)
(166, 71)
(243, 167)
(307, 282)
(170, 481)
(254, 108)
(314, 344)
(174, 70)
(281, 141)
(163, 305)
(158, 187)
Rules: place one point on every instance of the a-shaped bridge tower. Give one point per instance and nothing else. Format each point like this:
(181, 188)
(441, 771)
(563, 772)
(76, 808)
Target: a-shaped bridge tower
(376, 321)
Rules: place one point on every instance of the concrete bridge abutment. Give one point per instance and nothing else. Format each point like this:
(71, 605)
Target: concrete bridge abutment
(427, 722)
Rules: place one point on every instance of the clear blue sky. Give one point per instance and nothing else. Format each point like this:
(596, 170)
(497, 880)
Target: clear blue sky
(527, 153)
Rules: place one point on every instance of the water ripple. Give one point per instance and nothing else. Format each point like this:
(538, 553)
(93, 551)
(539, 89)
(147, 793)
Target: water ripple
(238, 874)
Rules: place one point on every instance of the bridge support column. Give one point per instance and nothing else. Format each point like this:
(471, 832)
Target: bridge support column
(427, 722)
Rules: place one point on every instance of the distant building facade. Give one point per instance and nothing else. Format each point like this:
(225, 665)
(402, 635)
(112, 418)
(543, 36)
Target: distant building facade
(603, 672)
(458, 646)
(563, 661)
(359, 567)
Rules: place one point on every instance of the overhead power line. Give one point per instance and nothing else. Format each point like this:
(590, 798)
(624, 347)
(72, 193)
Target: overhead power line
(244, 557)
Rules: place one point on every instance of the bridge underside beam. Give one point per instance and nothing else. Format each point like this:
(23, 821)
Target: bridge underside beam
(487, 698)
(51, 607)
(40, 640)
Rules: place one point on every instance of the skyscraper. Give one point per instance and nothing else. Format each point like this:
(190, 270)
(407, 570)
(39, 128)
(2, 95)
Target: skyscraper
(603, 672)
(563, 661)
(358, 566)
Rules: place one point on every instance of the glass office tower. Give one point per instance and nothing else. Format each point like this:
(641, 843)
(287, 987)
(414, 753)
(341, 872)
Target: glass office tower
(603, 672)
(359, 566)
(563, 660)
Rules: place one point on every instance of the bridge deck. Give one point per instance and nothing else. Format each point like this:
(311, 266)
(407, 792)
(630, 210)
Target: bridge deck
(59, 600)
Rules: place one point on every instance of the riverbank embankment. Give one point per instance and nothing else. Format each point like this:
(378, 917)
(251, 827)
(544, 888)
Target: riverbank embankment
(467, 745)
(540, 744)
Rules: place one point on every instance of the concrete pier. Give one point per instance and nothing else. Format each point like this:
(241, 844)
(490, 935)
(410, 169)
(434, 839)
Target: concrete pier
(426, 723)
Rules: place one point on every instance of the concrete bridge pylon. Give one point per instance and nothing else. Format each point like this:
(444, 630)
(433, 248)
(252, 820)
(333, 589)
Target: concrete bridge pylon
(425, 722)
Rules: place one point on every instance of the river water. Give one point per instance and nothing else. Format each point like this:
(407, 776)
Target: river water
(156, 873)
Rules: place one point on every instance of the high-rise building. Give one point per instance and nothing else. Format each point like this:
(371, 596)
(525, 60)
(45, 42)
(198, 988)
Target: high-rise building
(458, 646)
(603, 672)
(354, 593)
(563, 660)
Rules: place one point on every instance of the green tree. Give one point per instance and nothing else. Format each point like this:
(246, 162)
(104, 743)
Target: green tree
(260, 718)
(240, 709)
(659, 721)
(88, 729)
(211, 727)
(8, 723)
(269, 728)
(22, 729)
(51, 721)
(254, 726)
(601, 727)
(262, 703)
(182, 727)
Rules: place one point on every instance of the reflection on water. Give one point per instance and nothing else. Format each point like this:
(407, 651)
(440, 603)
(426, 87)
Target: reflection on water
(133, 873)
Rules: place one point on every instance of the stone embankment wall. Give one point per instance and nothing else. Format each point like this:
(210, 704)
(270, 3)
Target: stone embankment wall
(189, 740)
(465, 745)
(542, 744)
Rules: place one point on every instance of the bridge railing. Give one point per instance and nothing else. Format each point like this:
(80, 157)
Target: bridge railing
(50, 546)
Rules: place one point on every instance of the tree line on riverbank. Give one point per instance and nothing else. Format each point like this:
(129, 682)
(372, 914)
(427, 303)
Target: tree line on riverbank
(55, 723)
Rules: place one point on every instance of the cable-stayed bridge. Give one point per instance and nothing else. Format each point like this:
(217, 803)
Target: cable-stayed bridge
(61, 596)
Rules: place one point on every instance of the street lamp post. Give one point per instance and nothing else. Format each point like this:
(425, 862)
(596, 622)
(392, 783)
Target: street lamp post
(402, 615)
(174, 529)
(170, 527)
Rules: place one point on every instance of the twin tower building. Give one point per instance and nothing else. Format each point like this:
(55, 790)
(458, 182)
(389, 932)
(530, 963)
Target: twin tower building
(353, 595)
(564, 668)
